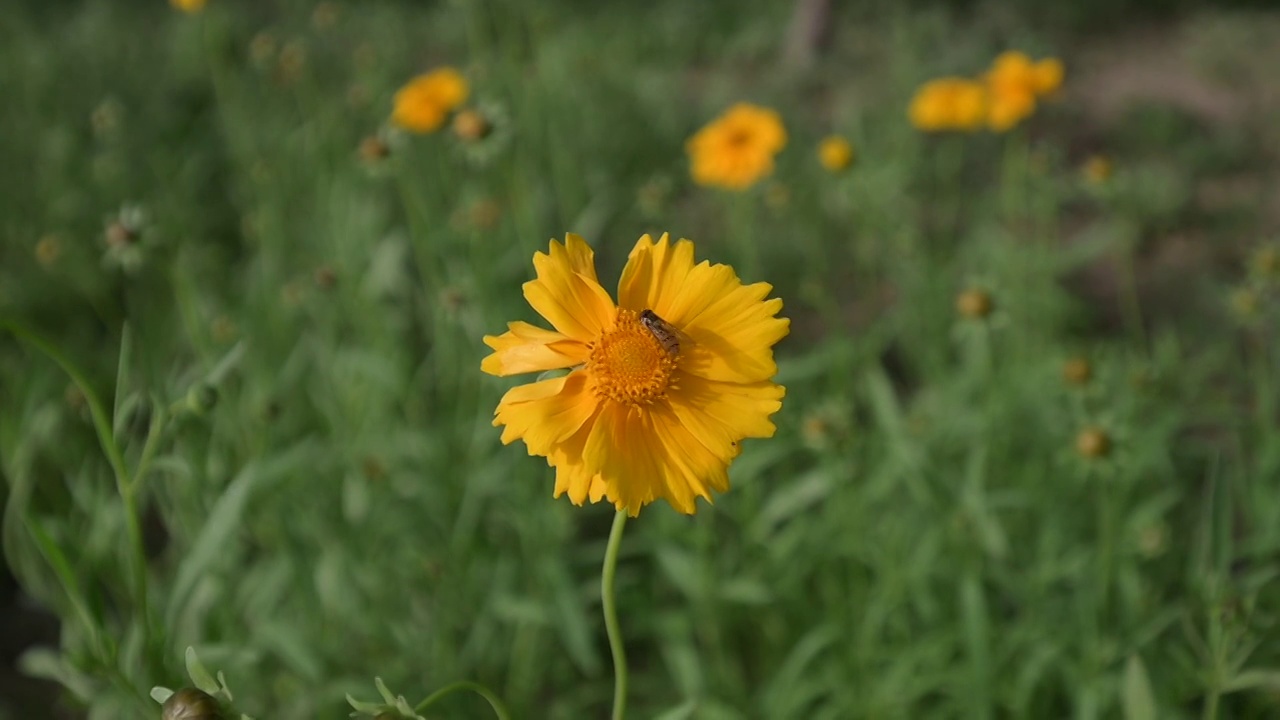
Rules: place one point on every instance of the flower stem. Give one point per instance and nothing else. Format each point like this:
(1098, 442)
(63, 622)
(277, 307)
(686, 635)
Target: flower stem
(611, 616)
(494, 701)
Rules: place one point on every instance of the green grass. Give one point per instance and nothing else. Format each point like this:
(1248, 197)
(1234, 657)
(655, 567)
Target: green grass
(281, 405)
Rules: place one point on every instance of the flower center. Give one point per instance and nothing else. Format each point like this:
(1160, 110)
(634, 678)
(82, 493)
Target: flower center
(738, 138)
(628, 364)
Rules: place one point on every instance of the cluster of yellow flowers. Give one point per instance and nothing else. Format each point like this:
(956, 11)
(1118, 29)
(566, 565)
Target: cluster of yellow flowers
(427, 102)
(737, 149)
(1001, 98)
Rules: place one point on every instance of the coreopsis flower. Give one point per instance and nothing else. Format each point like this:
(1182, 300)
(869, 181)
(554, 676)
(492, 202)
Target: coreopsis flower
(188, 6)
(424, 103)
(1015, 84)
(663, 386)
(736, 149)
(835, 153)
(1049, 73)
(949, 103)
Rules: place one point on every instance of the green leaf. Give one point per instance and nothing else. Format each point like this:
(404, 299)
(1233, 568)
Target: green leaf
(48, 664)
(119, 407)
(1253, 679)
(792, 498)
(683, 711)
(779, 698)
(209, 545)
(200, 674)
(161, 694)
(67, 578)
(1139, 701)
(681, 569)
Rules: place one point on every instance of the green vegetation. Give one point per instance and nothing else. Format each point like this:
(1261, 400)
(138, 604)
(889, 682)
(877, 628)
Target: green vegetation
(241, 406)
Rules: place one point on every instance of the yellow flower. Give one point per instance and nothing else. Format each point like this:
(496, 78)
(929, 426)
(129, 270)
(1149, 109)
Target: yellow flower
(1011, 84)
(736, 149)
(949, 103)
(1097, 169)
(1048, 76)
(1014, 84)
(646, 413)
(835, 153)
(424, 102)
(190, 6)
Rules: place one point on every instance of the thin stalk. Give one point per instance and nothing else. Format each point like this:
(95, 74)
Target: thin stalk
(495, 702)
(1132, 303)
(1211, 705)
(611, 616)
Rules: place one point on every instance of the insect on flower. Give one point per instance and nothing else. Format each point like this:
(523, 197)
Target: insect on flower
(633, 422)
(667, 334)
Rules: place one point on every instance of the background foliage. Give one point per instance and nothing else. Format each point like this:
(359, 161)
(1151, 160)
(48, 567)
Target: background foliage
(288, 363)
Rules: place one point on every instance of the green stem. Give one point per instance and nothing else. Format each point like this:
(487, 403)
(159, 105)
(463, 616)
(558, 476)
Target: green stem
(611, 616)
(494, 701)
(1211, 705)
(1132, 303)
(106, 439)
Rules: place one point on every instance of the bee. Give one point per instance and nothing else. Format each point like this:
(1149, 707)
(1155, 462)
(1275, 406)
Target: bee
(668, 336)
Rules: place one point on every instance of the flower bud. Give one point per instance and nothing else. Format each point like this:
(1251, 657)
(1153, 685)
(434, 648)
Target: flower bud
(374, 149)
(470, 125)
(1077, 371)
(974, 304)
(191, 704)
(1093, 443)
(201, 398)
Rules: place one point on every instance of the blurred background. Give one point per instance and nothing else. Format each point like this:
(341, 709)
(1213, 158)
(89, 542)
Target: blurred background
(1027, 465)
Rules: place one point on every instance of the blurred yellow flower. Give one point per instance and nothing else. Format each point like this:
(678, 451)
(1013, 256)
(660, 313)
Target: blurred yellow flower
(424, 102)
(949, 103)
(188, 5)
(835, 153)
(663, 386)
(736, 149)
(1048, 76)
(1014, 84)
(1097, 169)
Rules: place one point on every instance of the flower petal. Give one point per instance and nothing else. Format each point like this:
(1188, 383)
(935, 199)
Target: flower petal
(526, 348)
(693, 470)
(650, 268)
(733, 337)
(545, 413)
(732, 326)
(626, 453)
(719, 414)
(572, 475)
(577, 253)
(566, 295)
